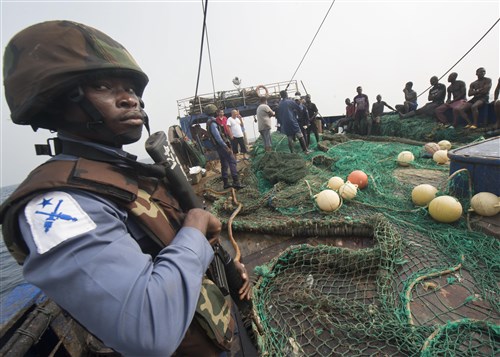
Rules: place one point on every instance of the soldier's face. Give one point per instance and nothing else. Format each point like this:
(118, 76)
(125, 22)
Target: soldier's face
(117, 102)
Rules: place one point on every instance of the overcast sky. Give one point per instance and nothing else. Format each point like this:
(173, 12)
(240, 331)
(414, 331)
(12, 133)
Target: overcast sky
(379, 45)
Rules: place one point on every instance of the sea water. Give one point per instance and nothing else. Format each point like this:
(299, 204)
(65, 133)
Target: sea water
(10, 272)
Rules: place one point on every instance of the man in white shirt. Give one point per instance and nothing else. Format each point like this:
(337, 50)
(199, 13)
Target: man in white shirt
(237, 138)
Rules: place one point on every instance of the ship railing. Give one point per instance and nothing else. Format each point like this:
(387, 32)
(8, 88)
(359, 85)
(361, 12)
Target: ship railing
(234, 98)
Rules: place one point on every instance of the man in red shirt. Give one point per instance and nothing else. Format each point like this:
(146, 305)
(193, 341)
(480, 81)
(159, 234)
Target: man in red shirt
(222, 120)
(349, 117)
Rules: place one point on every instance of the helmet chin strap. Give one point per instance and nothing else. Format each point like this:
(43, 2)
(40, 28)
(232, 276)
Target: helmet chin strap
(144, 116)
(78, 96)
(96, 118)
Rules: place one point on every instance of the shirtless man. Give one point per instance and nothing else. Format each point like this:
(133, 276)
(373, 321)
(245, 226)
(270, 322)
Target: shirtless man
(410, 102)
(436, 96)
(456, 89)
(479, 90)
(378, 110)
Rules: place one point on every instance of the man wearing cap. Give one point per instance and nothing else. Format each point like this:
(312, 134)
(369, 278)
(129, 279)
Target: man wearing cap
(99, 233)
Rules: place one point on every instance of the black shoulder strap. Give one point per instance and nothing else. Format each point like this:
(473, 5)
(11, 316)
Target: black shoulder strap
(92, 153)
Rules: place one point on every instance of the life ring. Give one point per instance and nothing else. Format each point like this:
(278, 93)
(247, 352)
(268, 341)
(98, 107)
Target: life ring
(259, 94)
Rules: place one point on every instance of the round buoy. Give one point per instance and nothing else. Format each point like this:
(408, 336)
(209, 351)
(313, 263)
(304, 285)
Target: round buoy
(445, 209)
(328, 200)
(335, 182)
(444, 145)
(405, 157)
(348, 190)
(440, 156)
(359, 178)
(423, 194)
(485, 204)
(431, 148)
(262, 91)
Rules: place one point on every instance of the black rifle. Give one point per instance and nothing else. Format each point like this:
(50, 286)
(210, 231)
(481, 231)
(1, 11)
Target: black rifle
(222, 270)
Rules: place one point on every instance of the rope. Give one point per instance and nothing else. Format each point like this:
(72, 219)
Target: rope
(305, 54)
(422, 277)
(461, 58)
(201, 47)
(209, 55)
(469, 179)
(237, 256)
(231, 219)
(455, 324)
(29, 334)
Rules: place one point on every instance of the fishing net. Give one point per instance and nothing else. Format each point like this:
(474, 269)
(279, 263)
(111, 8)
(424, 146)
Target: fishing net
(415, 287)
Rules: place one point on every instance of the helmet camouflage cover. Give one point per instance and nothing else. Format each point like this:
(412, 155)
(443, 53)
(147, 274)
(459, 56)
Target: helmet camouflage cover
(210, 109)
(46, 60)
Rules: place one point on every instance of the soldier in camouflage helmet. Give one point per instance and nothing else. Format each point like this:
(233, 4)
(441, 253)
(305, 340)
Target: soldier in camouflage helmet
(85, 223)
(221, 142)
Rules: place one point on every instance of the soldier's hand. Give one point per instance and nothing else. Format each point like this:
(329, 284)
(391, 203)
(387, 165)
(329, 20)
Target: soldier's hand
(246, 289)
(205, 222)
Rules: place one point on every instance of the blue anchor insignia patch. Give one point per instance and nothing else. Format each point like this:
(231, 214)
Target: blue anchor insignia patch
(55, 217)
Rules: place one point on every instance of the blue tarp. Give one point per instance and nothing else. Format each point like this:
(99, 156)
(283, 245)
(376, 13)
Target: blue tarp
(19, 300)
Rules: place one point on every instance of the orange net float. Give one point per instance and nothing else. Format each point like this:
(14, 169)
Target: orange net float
(359, 178)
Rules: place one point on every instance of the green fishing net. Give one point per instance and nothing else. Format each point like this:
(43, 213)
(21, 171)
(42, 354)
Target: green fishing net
(415, 287)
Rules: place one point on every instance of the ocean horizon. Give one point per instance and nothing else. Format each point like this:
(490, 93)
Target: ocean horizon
(11, 273)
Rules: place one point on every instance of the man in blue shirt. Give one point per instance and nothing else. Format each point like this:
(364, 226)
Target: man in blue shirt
(288, 112)
(222, 144)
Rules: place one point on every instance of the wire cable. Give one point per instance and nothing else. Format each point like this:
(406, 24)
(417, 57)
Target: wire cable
(491, 28)
(201, 48)
(209, 54)
(305, 54)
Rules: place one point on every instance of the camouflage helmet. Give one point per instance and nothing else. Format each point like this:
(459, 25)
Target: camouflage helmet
(46, 60)
(210, 109)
